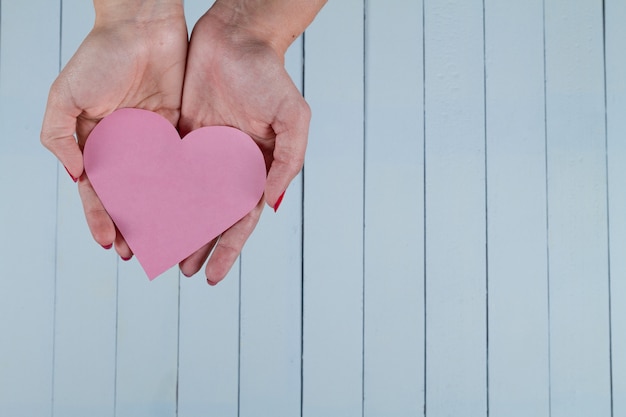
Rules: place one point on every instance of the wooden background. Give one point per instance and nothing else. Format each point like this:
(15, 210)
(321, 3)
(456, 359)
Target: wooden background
(455, 245)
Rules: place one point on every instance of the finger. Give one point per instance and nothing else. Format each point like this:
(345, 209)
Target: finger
(194, 262)
(58, 128)
(100, 224)
(230, 245)
(121, 247)
(292, 130)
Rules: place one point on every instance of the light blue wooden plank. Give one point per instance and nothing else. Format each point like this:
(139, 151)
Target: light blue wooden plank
(147, 343)
(577, 211)
(456, 382)
(615, 13)
(271, 294)
(209, 328)
(394, 210)
(209, 347)
(86, 284)
(29, 62)
(194, 9)
(517, 237)
(333, 220)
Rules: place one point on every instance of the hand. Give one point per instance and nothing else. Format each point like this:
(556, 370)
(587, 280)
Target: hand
(236, 77)
(134, 57)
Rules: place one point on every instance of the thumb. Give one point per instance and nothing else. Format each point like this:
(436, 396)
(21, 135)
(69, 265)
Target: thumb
(58, 128)
(292, 130)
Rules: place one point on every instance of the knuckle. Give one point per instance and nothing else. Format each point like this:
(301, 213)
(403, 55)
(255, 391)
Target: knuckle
(45, 136)
(296, 162)
(254, 216)
(230, 251)
(44, 139)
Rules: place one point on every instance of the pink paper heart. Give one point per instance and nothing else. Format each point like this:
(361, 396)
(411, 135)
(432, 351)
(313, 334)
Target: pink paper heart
(169, 197)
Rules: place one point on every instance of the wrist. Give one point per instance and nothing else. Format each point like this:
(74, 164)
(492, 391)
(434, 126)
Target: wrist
(136, 11)
(275, 23)
(232, 22)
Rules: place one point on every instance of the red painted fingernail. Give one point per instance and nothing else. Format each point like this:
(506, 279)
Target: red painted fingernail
(127, 259)
(280, 200)
(107, 247)
(71, 176)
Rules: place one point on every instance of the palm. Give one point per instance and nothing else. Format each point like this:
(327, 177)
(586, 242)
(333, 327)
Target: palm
(147, 72)
(244, 86)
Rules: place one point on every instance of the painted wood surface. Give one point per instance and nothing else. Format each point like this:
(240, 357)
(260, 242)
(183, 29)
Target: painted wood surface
(28, 208)
(580, 382)
(455, 232)
(516, 238)
(208, 338)
(453, 246)
(86, 283)
(615, 12)
(333, 215)
(271, 300)
(393, 374)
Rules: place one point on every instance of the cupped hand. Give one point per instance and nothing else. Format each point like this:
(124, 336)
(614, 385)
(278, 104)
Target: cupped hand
(238, 79)
(131, 58)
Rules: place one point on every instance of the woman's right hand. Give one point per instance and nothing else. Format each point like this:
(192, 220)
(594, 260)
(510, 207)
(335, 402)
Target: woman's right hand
(134, 56)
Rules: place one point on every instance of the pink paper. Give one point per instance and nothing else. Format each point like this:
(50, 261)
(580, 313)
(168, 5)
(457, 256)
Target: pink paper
(169, 197)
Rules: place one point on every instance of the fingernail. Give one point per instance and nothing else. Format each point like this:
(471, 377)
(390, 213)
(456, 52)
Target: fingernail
(211, 283)
(280, 200)
(126, 259)
(71, 176)
(107, 247)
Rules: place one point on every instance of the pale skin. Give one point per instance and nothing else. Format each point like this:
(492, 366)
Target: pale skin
(136, 56)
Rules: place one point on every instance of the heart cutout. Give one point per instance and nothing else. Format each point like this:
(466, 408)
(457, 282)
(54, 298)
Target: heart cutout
(169, 197)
